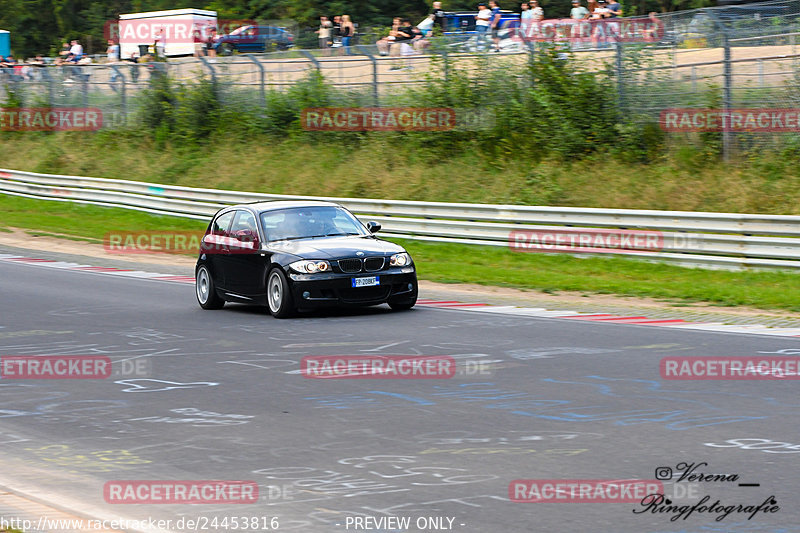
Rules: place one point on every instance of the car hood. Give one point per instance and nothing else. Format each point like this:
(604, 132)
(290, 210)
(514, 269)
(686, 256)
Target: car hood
(335, 247)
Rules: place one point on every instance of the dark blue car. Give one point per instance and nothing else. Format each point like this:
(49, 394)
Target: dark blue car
(254, 39)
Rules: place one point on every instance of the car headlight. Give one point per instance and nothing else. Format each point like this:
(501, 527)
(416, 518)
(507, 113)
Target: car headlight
(310, 267)
(399, 260)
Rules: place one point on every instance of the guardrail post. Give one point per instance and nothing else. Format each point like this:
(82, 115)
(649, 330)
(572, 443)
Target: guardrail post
(313, 59)
(253, 58)
(364, 50)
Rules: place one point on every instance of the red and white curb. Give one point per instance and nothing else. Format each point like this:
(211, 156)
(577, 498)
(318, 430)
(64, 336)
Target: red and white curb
(539, 312)
(64, 265)
(675, 323)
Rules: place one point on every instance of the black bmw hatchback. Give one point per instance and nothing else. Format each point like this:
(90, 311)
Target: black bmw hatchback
(300, 255)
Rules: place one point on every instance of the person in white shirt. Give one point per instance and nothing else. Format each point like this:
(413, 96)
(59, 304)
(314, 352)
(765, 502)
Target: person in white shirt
(76, 50)
(161, 43)
(482, 22)
(600, 26)
(112, 52)
(537, 11)
(580, 29)
(324, 34)
(525, 19)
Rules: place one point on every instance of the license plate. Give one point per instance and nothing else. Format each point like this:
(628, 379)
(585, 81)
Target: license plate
(367, 282)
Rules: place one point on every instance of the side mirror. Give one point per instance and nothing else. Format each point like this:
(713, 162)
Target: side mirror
(246, 236)
(373, 227)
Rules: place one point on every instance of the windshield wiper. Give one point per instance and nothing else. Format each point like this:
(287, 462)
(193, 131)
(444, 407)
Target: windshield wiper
(332, 235)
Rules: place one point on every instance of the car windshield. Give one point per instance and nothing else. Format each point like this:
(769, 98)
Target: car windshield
(238, 31)
(309, 223)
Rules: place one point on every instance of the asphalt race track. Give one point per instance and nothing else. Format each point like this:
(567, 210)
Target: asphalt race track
(218, 395)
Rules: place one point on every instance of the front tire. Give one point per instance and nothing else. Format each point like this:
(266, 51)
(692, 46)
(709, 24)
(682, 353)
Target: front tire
(279, 295)
(406, 304)
(205, 290)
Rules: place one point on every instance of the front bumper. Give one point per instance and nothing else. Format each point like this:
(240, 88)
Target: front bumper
(333, 289)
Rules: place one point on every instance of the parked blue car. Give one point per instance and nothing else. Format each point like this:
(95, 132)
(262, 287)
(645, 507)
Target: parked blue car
(254, 39)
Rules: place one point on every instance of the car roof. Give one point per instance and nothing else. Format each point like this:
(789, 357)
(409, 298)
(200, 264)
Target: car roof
(260, 207)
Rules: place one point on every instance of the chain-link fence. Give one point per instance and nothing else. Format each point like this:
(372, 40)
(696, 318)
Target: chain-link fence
(722, 59)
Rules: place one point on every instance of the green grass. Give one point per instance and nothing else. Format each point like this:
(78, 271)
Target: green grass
(487, 265)
(88, 222)
(456, 263)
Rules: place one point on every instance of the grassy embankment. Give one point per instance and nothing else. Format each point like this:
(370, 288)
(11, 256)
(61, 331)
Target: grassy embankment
(378, 167)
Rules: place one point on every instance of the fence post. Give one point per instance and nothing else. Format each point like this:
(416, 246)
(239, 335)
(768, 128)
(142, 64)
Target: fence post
(530, 45)
(84, 86)
(122, 94)
(727, 86)
(620, 69)
(48, 79)
(446, 65)
(211, 69)
(313, 60)
(364, 50)
(253, 58)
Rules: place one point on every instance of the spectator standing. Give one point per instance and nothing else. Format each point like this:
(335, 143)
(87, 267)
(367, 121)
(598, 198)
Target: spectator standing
(336, 31)
(348, 31)
(324, 34)
(211, 40)
(525, 21)
(438, 15)
(495, 24)
(112, 55)
(578, 14)
(160, 43)
(612, 27)
(601, 11)
(482, 22)
(600, 28)
(112, 52)
(426, 25)
(537, 11)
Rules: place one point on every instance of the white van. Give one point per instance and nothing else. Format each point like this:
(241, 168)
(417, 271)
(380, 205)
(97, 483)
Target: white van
(177, 31)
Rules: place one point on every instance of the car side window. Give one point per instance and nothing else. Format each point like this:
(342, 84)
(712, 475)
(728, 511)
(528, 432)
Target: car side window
(244, 220)
(221, 224)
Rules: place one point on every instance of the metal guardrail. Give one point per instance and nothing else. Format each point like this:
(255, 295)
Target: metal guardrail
(714, 240)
